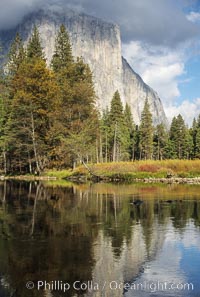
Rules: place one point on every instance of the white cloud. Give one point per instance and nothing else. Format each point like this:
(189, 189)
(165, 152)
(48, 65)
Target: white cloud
(158, 66)
(193, 17)
(188, 109)
(162, 68)
(191, 237)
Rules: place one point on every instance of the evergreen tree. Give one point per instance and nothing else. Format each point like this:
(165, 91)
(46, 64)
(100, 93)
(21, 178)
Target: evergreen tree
(173, 136)
(119, 133)
(179, 136)
(16, 55)
(146, 132)
(34, 47)
(4, 114)
(198, 121)
(196, 137)
(137, 143)
(82, 102)
(81, 117)
(62, 57)
(34, 98)
(160, 141)
(131, 129)
(116, 109)
(76, 99)
(194, 134)
(188, 149)
(104, 136)
(197, 148)
(169, 151)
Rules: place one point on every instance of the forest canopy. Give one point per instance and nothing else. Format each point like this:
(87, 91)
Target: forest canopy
(49, 117)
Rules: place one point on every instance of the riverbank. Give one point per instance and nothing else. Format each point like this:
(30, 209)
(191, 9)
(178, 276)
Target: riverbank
(166, 171)
(27, 177)
(84, 179)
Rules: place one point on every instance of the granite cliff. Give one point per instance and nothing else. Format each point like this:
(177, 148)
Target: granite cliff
(99, 43)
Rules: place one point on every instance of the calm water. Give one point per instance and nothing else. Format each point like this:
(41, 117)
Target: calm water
(99, 240)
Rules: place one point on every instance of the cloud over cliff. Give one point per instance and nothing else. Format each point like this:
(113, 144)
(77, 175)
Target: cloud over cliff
(153, 21)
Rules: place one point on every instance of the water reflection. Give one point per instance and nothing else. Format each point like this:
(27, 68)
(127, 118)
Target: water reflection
(96, 233)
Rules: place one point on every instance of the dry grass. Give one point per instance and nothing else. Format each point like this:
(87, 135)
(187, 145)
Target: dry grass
(182, 168)
(136, 169)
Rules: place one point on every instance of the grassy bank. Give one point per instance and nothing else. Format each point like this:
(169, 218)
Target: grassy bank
(132, 170)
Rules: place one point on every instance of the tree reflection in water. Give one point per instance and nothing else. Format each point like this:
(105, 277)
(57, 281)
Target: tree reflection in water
(85, 232)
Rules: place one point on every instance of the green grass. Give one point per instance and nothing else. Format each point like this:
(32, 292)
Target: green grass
(62, 174)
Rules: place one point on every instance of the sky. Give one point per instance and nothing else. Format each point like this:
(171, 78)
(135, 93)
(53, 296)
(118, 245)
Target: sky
(160, 40)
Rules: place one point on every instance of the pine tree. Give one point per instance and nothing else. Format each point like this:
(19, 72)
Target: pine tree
(179, 136)
(31, 108)
(34, 47)
(198, 121)
(62, 57)
(115, 121)
(16, 55)
(116, 109)
(82, 103)
(128, 118)
(146, 132)
(34, 97)
(4, 114)
(104, 136)
(197, 148)
(196, 137)
(188, 147)
(76, 100)
(119, 133)
(82, 117)
(169, 151)
(137, 143)
(160, 141)
(194, 134)
(131, 130)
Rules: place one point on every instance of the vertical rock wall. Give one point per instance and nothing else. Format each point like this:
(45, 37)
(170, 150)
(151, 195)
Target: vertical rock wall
(99, 43)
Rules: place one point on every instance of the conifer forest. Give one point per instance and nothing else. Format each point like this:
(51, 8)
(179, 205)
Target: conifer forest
(49, 119)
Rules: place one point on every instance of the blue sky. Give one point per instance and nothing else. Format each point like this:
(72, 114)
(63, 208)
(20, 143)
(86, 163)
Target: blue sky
(160, 40)
(173, 68)
(189, 83)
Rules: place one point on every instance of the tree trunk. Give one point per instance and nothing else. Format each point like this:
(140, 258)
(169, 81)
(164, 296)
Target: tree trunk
(34, 144)
(30, 164)
(115, 143)
(106, 156)
(100, 149)
(5, 162)
(97, 152)
(37, 197)
(158, 156)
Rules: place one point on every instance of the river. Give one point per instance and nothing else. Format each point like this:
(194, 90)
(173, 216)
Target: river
(103, 240)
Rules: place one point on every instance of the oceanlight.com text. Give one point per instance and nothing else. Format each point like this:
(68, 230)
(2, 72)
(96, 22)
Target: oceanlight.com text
(155, 286)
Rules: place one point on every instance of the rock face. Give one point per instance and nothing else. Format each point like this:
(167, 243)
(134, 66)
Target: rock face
(99, 43)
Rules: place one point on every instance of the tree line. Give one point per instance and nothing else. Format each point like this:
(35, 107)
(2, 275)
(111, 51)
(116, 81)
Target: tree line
(123, 140)
(48, 116)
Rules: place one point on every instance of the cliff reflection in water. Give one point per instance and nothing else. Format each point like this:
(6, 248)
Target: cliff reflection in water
(86, 232)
